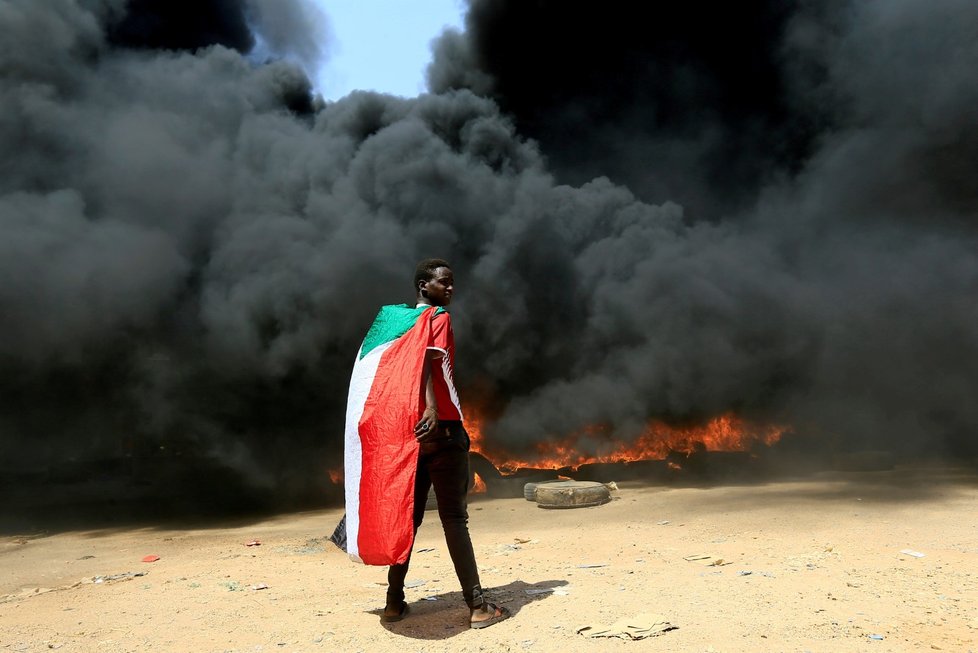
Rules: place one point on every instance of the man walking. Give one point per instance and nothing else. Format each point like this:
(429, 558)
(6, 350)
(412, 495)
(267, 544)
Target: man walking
(393, 456)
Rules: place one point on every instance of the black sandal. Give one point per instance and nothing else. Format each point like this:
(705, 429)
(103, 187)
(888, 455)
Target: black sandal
(499, 613)
(391, 618)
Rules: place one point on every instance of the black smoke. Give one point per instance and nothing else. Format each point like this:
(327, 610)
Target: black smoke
(193, 243)
(821, 268)
(689, 102)
(162, 25)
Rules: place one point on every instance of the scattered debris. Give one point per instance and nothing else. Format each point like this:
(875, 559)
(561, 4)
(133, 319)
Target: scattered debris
(504, 549)
(426, 550)
(259, 586)
(876, 637)
(707, 560)
(662, 523)
(638, 627)
(592, 565)
(744, 572)
(910, 552)
(151, 558)
(129, 575)
(414, 583)
(253, 543)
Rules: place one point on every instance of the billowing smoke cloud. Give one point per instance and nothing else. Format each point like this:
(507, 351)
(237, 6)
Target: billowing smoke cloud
(687, 102)
(827, 270)
(192, 244)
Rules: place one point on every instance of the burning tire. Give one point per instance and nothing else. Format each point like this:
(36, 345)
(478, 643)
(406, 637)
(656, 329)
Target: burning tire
(572, 494)
(479, 464)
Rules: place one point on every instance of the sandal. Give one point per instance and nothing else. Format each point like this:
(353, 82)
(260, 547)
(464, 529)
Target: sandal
(499, 613)
(391, 618)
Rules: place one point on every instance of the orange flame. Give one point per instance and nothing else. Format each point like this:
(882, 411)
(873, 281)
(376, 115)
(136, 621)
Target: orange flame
(479, 487)
(724, 433)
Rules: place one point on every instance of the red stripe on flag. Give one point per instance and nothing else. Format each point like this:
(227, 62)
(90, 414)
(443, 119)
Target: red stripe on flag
(389, 450)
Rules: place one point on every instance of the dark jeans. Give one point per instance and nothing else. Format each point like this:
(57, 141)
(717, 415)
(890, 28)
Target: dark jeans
(444, 465)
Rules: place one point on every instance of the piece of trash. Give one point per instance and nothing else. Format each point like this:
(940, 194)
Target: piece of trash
(86, 557)
(414, 583)
(129, 575)
(707, 560)
(521, 540)
(259, 586)
(910, 552)
(662, 523)
(430, 598)
(253, 543)
(430, 548)
(637, 627)
(744, 572)
(592, 565)
(151, 558)
(876, 637)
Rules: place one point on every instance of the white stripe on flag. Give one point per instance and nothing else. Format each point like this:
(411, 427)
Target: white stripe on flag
(364, 372)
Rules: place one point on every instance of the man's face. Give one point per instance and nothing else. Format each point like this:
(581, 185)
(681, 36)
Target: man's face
(439, 290)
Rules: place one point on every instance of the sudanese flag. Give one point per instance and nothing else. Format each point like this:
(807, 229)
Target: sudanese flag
(380, 454)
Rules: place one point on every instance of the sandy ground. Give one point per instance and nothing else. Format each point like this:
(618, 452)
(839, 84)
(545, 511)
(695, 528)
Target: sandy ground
(811, 564)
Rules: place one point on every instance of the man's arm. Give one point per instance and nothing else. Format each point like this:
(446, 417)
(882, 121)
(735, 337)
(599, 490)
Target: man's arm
(426, 426)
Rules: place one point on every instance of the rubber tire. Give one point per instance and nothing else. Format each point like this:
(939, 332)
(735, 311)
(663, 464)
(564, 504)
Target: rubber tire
(572, 494)
(530, 489)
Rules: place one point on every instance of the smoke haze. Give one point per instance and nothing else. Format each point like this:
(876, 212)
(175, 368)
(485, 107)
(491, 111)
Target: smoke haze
(764, 210)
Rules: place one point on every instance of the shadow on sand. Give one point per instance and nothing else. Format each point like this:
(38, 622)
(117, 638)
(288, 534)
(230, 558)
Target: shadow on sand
(443, 616)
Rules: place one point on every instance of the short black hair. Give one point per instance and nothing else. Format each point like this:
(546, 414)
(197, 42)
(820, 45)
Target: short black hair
(426, 270)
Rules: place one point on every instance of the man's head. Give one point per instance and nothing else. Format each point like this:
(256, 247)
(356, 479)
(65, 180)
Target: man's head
(434, 283)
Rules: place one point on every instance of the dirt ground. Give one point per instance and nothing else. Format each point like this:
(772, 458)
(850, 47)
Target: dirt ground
(810, 564)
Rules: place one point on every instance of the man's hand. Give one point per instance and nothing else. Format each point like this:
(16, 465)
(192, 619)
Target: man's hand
(426, 427)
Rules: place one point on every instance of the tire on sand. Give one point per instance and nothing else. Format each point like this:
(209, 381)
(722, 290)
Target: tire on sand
(572, 494)
(530, 489)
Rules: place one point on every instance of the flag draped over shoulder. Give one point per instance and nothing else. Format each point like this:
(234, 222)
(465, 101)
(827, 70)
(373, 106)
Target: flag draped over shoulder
(380, 454)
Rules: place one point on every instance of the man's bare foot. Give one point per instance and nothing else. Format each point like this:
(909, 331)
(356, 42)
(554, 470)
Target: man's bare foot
(487, 614)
